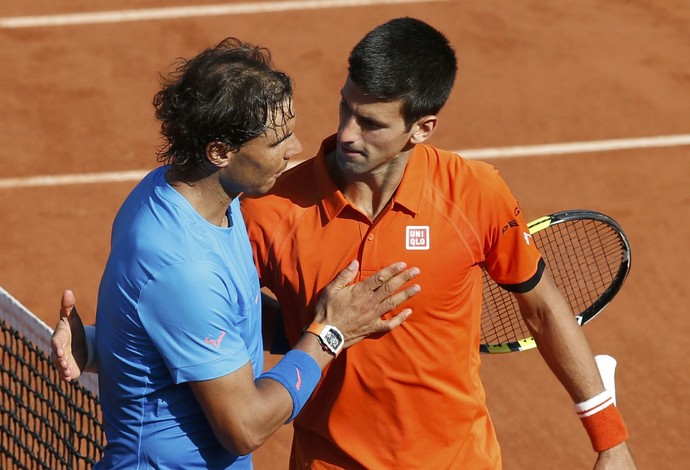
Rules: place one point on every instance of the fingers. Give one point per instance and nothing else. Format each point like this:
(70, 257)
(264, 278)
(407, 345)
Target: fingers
(392, 301)
(389, 280)
(387, 298)
(388, 325)
(61, 340)
(381, 289)
(63, 369)
(384, 276)
(62, 364)
(357, 308)
(60, 344)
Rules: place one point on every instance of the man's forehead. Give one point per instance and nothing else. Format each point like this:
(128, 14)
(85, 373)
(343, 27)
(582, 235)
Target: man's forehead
(368, 106)
(281, 110)
(281, 126)
(352, 92)
(280, 115)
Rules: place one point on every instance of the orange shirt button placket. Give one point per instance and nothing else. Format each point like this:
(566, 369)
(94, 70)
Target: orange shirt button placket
(368, 263)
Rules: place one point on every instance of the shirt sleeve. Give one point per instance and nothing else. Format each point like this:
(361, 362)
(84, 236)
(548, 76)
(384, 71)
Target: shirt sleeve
(511, 257)
(192, 318)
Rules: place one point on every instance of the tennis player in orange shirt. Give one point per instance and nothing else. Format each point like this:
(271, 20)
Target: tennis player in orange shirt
(377, 192)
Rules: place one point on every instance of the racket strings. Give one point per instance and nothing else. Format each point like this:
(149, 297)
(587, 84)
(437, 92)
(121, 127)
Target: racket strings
(583, 256)
(497, 326)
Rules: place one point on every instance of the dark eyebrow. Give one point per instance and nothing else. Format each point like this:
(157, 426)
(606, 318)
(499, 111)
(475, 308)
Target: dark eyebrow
(367, 119)
(372, 121)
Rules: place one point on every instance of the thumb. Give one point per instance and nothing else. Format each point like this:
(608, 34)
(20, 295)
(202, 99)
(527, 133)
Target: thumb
(67, 304)
(346, 276)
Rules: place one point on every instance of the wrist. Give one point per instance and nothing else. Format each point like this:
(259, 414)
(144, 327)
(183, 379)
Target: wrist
(299, 373)
(602, 421)
(330, 337)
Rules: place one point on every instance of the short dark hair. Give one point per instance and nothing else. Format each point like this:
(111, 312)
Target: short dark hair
(406, 59)
(228, 93)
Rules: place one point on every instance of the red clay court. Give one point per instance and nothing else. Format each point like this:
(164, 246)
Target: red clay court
(606, 84)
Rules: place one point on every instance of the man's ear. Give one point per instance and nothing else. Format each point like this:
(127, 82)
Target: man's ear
(423, 129)
(218, 154)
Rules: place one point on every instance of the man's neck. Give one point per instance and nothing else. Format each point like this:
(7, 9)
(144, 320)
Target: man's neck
(206, 197)
(370, 193)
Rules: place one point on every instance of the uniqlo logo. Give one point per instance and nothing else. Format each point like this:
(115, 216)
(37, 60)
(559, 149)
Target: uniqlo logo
(417, 237)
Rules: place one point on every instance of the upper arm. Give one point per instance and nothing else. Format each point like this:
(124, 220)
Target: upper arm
(509, 253)
(543, 303)
(203, 335)
(196, 330)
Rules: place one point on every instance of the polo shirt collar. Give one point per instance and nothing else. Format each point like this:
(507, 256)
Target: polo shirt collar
(407, 196)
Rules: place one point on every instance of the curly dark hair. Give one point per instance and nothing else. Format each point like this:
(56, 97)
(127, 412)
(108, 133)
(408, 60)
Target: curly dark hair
(229, 93)
(406, 59)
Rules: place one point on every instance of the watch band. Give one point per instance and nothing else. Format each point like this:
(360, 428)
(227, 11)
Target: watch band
(315, 328)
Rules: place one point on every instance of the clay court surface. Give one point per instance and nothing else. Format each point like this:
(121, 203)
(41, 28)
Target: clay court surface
(75, 99)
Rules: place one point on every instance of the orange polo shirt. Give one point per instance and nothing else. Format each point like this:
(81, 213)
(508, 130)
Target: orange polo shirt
(410, 399)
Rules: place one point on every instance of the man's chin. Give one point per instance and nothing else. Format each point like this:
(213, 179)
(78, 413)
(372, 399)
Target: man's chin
(351, 162)
(268, 186)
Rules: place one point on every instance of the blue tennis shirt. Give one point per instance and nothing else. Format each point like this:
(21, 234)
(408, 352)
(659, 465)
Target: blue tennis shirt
(179, 301)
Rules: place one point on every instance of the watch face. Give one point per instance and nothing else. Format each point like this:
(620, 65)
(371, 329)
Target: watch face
(333, 339)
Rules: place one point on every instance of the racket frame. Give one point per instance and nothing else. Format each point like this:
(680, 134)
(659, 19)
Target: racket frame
(599, 304)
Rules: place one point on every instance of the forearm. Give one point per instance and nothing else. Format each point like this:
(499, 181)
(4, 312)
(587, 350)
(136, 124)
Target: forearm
(560, 340)
(245, 413)
(566, 351)
(242, 413)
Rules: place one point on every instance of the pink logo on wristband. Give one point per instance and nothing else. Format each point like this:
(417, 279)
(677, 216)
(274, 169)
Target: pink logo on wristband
(299, 379)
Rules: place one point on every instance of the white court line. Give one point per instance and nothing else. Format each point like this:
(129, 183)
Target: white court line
(146, 14)
(80, 178)
(578, 147)
(485, 154)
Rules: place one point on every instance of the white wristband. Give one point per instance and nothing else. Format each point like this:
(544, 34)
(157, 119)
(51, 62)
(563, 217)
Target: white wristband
(594, 404)
(90, 334)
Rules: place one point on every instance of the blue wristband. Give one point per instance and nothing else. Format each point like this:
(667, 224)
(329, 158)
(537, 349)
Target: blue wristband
(299, 373)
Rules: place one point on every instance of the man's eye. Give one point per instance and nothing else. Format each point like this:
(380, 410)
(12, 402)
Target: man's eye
(371, 125)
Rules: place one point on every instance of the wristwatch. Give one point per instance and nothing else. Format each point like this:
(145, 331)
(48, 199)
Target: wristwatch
(330, 337)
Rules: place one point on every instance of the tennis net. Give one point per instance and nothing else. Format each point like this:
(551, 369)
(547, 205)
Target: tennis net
(45, 423)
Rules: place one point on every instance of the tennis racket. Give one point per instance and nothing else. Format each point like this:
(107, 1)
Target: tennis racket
(588, 255)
